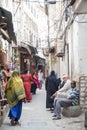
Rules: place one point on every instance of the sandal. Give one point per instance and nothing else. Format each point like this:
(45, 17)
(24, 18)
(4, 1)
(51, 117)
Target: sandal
(13, 122)
(17, 123)
(57, 118)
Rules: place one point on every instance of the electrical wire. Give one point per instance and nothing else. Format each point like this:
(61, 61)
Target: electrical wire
(49, 27)
(43, 2)
(36, 1)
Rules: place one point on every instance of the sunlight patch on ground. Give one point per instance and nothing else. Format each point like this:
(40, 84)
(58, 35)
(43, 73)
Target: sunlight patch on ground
(28, 108)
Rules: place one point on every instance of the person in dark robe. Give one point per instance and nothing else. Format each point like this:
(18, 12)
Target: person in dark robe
(51, 86)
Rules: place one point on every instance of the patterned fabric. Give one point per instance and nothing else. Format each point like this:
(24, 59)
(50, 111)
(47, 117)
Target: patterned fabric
(74, 96)
(35, 80)
(14, 90)
(26, 78)
(15, 112)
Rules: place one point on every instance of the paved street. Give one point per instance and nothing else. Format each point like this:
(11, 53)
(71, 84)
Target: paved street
(36, 117)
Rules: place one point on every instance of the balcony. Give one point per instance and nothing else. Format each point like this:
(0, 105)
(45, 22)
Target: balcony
(60, 48)
(80, 7)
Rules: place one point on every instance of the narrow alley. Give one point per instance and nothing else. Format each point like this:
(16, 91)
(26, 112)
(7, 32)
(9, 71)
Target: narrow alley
(38, 36)
(36, 117)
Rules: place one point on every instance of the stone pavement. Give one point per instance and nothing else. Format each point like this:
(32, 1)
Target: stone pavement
(36, 117)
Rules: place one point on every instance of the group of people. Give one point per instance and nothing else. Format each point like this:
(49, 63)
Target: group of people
(60, 93)
(19, 88)
(31, 83)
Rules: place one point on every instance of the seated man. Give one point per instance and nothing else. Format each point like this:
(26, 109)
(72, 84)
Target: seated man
(65, 90)
(71, 100)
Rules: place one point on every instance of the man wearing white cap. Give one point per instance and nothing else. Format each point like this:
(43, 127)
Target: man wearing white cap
(65, 90)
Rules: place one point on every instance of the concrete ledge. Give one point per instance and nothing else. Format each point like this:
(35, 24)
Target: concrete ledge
(1, 119)
(72, 111)
(3, 113)
(85, 123)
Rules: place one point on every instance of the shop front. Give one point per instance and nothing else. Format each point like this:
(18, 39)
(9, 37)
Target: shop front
(40, 63)
(24, 59)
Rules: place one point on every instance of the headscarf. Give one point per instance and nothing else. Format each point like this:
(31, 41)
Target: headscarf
(52, 73)
(14, 90)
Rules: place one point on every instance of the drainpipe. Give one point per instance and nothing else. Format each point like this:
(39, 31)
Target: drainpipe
(68, 58)
(67, 45)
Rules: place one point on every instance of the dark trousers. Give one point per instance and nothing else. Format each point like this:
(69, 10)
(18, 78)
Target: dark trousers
(33, 88)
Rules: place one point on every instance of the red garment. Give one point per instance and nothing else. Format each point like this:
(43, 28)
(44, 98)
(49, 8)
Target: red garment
(27, 85)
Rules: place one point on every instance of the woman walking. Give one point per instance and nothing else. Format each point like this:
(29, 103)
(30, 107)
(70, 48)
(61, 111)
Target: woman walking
(26, 78)
(51, 86)
(35, 83)
(15, 94)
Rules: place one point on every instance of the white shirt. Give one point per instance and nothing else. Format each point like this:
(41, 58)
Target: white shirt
(40, 76)
(65, 90)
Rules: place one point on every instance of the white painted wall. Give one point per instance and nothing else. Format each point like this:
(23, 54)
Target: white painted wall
(74, 51)
(42, 28)
(82, 39)
(77, 39)
(64, 63)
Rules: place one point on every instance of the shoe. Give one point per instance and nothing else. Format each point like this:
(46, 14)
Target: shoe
(48, 110)
(52, 111)
(54, 116)
(28, 100)
(17, 123)
(57, 118)
(12, 122)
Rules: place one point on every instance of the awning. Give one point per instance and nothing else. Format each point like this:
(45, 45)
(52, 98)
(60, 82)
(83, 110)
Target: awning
(25, 46)
(40, 56)
(6, 17)
(33, 49)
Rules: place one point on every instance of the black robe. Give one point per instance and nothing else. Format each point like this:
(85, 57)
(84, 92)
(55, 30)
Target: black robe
(51, 86)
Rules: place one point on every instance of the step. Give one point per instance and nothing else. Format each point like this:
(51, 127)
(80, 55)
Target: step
(72, 111)
(3, 113)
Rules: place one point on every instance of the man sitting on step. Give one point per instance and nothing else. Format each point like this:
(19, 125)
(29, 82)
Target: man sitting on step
(71, 100)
